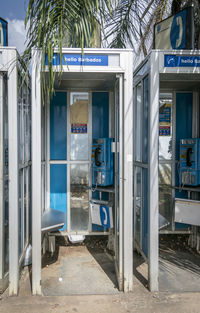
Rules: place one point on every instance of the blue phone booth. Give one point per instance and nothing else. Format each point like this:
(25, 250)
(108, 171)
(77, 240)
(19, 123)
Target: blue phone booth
(189, 162)
(102, 162)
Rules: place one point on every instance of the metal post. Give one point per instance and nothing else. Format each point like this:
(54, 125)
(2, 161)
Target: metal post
(127, 94)
(1, 179)
(13, 147)
(36, 174)
(153, 172)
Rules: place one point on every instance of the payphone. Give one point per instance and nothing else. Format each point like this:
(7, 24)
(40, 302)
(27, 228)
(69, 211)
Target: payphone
(189, 173)
(102, 162)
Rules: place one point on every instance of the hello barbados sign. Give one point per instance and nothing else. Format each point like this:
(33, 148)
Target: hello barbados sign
(80, 59)
(181, 61)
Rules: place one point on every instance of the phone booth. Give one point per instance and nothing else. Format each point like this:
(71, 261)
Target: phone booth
(82, 154)
(166, 160)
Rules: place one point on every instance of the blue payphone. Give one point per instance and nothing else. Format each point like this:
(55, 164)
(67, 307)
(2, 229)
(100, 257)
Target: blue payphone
(102, 162)
(189, 173)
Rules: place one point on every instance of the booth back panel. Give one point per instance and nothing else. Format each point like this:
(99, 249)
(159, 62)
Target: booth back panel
(184, 102)
(58, 129)
(58, 188)
(100, 114)
(100, 129)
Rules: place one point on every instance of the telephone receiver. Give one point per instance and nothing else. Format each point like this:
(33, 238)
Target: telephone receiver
(96, 156)
(179, 23)
(106, 217)
(188, 157)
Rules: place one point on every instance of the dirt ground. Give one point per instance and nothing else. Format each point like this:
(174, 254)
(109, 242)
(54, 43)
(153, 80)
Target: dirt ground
(138, 301)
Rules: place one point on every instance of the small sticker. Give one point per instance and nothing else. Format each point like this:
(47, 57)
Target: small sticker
(164, 131)
(79, 128)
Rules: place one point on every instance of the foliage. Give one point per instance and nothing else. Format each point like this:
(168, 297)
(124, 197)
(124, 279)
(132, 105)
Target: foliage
(50, 22)
(124, 23)
(132, 21)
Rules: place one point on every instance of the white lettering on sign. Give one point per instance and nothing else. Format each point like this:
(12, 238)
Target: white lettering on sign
(82, 59)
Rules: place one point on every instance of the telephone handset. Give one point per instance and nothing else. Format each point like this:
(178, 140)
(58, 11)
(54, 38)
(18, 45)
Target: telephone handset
(179, 23)
(188, 157)
(96, 156)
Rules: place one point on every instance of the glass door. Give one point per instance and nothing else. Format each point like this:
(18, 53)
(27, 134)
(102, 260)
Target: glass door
(79, 138)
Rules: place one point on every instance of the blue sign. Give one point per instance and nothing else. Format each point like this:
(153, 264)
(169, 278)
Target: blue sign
(175, 32)
(178, 30)
(80, 59)
(181, 61)
(3, 32)
(105, 216)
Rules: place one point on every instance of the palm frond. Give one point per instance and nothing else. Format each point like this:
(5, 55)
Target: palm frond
(50, 23)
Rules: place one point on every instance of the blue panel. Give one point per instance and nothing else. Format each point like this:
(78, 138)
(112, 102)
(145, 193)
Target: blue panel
(100, 129)
(58, 126)
(183, 131)
(183, 128)
(3, 32)
(100, 114)
(58, 189)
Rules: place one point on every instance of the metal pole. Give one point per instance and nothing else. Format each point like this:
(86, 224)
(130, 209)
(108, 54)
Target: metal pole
(153, 172)
(13, 172)
(36, 174)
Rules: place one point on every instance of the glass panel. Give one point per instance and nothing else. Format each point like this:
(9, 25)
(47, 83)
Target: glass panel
(29, 125)
(20, 125)
(20, 237)
(29, 201)
(79, 126)
(165, 127)
(138, 205)
(24, 103)
(25, 205)
(145, 119)
(165, 192)
(138, 122)
(144, 69)
(79, 201)
(145, 213)
(6, 185)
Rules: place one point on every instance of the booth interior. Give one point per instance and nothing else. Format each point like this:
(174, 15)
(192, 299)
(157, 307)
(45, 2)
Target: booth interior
(81, 149)
(173, 91)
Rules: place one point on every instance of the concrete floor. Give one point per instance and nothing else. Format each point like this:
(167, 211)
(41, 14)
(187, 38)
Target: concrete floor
(79, 270)
(138, 301)
(179, 271)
